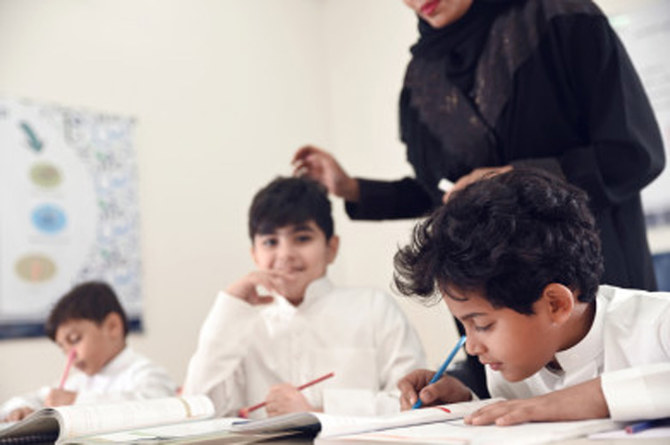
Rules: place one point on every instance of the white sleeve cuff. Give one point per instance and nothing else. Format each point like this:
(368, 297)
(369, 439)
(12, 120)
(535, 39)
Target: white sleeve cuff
(636, 393)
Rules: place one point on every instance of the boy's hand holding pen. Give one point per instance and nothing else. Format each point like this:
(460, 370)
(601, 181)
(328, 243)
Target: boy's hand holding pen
(60, 396)
(425, 387)
(244, 412)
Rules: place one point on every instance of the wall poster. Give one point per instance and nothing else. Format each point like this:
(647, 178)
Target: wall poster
(69, 210)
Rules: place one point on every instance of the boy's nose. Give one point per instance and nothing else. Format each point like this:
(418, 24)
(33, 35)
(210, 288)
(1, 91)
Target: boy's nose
(285, 251)
(473, 346)
(284, 257)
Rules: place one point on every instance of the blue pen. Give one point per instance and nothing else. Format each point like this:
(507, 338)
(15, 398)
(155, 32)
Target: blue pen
(443, 368)
(645, 425)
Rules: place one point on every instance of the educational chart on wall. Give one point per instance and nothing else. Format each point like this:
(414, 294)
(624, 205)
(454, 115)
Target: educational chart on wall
(69, 210)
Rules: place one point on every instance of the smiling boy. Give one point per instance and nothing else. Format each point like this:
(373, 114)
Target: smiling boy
(517, 260)
(90, 321)
(285, 323)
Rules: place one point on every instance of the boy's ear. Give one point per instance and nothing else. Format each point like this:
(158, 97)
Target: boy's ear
(560, 302)
(333, 247)
(252, 251)
(113, 324)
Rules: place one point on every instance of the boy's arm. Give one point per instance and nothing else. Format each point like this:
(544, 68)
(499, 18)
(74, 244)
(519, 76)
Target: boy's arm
(142, 380)
(33, 400)
(224, 341)
(583, 401)
(641, 392)
(398, 349)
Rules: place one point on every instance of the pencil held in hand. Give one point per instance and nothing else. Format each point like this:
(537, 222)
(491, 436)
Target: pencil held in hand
(70, 359)
(440, 372)
(244, 412)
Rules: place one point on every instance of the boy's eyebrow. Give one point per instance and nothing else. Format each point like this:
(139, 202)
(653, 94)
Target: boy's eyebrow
(302, 228)
(471, 315)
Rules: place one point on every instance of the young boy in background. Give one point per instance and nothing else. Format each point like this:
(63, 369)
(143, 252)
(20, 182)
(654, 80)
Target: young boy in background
(90, 321)
(258, 345)
(517, 260)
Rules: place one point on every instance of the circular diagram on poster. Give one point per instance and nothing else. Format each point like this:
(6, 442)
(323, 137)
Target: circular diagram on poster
(35, 268)
(45, 175)
(48, 218)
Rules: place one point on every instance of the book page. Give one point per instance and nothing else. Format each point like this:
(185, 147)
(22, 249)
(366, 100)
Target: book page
(337, 425)
(81, 420)
(176, 432)
(330, 425)
(458, 433)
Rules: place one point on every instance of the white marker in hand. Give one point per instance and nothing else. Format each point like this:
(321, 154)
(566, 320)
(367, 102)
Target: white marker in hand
(444, 185)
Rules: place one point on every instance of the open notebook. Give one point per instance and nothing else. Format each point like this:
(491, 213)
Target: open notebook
(332, 425)
(68, 422)
(432, 425)
(455, 432)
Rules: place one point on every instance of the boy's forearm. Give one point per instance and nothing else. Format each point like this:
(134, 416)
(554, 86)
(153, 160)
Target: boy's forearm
(583, 401)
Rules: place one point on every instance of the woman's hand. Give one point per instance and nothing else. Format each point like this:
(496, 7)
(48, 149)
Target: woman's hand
(322, 167)
(474, 176)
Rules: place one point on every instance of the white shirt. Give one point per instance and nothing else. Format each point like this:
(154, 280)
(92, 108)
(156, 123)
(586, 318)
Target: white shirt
(128, 376)
(359, 334)
(628, 345)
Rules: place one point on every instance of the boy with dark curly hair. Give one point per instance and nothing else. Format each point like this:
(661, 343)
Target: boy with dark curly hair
(516, 258)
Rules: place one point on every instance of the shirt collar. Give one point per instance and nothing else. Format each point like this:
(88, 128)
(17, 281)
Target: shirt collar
(316, 289)
(119, 362)
(589, 351)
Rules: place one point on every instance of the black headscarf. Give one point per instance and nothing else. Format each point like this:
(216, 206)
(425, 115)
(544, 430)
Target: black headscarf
(460, 43)
(452, 51)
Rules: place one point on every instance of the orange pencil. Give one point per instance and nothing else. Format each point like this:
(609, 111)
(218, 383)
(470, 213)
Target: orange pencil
(70, 359)
(244, 412)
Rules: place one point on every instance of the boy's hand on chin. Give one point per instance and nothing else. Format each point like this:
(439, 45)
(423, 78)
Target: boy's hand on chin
(60, 397)
(579, 402)
(246, 288)
(286, 398)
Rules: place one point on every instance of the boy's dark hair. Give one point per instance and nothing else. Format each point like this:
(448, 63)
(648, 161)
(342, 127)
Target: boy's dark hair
(287, 201)
(92, 300)
(507, 236)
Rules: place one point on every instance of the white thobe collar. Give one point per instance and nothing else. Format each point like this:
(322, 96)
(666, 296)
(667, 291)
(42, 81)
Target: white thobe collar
(282, 310)
(316, 289)
(588, 352)
(118, 364)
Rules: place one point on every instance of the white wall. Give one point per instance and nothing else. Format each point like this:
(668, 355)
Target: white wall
(224, 91)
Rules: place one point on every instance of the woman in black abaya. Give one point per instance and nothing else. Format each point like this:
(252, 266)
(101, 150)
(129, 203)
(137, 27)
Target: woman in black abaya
(497, 84)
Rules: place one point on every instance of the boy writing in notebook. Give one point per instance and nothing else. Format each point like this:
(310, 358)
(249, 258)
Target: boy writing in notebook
(517, 260)
(285, 323)
(89, 324)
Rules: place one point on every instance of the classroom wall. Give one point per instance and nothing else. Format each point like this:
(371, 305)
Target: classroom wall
(223, 93)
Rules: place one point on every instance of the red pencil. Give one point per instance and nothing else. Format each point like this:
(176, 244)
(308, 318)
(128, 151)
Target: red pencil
(244, 412)
(70, 359)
